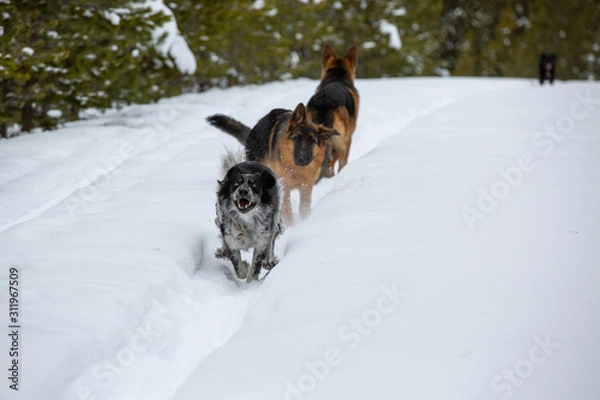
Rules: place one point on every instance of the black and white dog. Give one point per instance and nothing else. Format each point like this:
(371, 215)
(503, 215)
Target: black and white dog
(248, 215)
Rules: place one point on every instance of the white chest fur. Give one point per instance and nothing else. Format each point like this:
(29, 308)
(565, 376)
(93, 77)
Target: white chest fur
(245, 231)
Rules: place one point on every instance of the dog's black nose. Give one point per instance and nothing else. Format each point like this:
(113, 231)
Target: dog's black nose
(243, 192)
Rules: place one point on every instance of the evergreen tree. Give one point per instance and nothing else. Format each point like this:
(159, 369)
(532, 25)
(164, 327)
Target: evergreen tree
(30, 64)
(58, 58)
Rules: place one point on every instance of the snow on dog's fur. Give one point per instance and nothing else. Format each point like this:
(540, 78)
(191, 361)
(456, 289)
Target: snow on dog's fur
(248, 214)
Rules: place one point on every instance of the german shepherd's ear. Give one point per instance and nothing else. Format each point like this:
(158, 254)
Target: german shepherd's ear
(327, 54)
(326, 133)
(298, 116)
(267, 179)
(352, 56)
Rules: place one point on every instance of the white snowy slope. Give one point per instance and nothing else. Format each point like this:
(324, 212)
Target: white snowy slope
(457, 256)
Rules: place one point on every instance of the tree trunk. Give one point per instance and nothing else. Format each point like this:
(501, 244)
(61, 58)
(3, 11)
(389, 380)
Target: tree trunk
(73, 112)
(27, 117)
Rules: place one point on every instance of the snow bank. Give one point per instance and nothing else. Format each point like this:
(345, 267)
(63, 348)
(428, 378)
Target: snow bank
(389, 289)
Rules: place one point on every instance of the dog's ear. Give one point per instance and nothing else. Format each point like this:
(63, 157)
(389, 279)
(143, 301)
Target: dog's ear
(327, 54)
(298, 116)
(224, 185)
(326, 133)
(268, 179)
(232, 171)
(352, 56)
(223, 191)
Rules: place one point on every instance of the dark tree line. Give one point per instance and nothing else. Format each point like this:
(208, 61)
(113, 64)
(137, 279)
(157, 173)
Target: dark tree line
(58, 58)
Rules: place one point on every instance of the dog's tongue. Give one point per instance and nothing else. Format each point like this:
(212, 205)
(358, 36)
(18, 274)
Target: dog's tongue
(243, 203)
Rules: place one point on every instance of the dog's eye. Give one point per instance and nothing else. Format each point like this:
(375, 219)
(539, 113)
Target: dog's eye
(254, 186)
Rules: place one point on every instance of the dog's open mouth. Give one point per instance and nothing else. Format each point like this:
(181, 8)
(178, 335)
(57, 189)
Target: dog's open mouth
(244, 204)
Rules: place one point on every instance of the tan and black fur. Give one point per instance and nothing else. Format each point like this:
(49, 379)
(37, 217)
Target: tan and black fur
(291, 146)
(335, 105)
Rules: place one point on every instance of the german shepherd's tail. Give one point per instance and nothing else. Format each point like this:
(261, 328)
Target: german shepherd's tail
(231, 126)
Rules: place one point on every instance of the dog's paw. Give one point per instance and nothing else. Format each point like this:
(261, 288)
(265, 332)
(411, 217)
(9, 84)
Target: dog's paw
(241, 271)
(329, 172)
(222, 252)
(270, 263)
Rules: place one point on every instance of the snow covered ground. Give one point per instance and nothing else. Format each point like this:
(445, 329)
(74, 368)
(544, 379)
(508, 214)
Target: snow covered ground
(456, 257)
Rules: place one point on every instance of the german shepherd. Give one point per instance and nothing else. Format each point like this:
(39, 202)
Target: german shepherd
(335, 105)
(290, 145)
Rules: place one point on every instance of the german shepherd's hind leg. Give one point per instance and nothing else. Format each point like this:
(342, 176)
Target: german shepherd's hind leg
(345, 153)
(305, 200)
(286, 208)
(327, 170)
(338, 150)
(240, 266)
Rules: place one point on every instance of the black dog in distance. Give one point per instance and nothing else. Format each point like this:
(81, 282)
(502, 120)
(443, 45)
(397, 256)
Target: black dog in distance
(547, 67)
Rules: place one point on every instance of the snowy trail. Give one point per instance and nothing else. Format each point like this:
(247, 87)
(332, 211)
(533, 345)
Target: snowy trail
(101, 218)
(474, 305)
(111, 223)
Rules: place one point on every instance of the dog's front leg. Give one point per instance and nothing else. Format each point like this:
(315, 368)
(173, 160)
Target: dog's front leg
(254, 271)
(261, 258)
(270, 261)
(305, 200)
(240, 266)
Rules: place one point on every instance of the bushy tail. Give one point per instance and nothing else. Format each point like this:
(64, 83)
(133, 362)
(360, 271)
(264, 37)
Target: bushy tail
(229, 159)
(231, 126)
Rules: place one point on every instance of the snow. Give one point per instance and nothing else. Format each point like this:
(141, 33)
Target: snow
(174, 44)
(442, 72)
(54, 113)
(369, 45)
(399, 12)
(27, 50)
(258, 4)
(390, 29)
(386, 291)
(112, 16)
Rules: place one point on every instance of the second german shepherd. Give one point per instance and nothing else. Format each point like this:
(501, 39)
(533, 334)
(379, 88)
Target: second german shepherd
(291, 146)
(335, 105)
